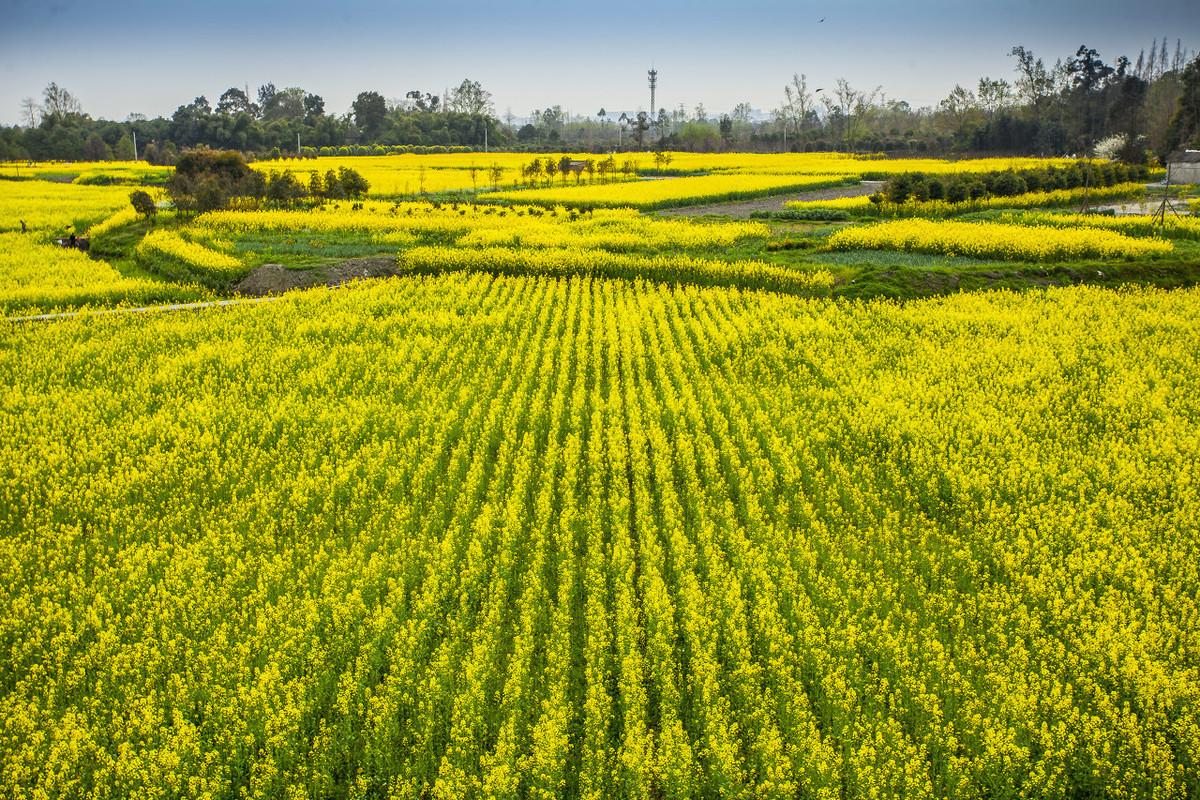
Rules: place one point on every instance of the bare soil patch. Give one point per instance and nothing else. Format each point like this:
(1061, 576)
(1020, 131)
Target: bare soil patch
(276, 278)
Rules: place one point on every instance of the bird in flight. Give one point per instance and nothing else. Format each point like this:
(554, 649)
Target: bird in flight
(822, 19)
(818, 91)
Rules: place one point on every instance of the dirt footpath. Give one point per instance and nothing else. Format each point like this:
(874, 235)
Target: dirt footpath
(744, 208)
(1149, 205)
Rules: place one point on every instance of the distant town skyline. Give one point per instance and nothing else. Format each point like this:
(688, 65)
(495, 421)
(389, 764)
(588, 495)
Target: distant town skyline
(149, 58)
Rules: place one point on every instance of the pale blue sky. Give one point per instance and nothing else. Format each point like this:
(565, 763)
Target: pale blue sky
(150, 56)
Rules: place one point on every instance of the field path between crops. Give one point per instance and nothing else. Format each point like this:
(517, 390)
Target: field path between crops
(744, 208)
(142, 309)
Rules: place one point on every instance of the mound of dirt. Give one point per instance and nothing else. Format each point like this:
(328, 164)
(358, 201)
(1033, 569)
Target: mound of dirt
(276, 278)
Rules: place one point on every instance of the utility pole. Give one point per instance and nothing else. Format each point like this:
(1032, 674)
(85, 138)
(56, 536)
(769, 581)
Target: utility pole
(485, 134)
(297, 144)
(134, 131)
(653, 73)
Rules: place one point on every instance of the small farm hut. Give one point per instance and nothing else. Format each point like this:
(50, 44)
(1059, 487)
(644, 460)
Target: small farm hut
(1184, 166)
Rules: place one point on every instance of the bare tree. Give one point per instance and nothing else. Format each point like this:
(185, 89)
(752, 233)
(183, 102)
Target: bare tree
(1034, 81)
(851, 108)
(994, 94)
(741, 120)
(31, 112)
(959, 103)
(58, 102)
(798, 103)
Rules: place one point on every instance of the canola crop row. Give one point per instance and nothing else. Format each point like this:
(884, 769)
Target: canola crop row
(410, 174)
(996, 240)
(176, 258)
(40, 278)
(87, 172)
(671, 192)
(845, 164)
(1169, 225)
(53, 207)
(568, 261)
(118, 220)
(532, 240)
(471, 224)
(471, 536)
(942, 208)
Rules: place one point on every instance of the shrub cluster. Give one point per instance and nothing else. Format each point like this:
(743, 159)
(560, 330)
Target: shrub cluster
(284, 188)
(804, 214)
(207, 180)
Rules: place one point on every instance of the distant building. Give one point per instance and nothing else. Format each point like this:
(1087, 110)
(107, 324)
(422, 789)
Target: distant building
(1184, 166)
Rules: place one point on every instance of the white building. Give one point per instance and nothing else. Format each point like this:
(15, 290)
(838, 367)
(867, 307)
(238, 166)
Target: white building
(1184, 166)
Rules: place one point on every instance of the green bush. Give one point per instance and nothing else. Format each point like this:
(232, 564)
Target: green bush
(1007, 184)
(974, 186)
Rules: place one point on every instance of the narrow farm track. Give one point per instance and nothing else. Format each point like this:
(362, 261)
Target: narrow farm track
(742, 209)
(237, 301)
(463, 535)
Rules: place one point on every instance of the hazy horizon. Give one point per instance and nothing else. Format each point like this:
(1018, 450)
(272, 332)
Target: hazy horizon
(148, 59)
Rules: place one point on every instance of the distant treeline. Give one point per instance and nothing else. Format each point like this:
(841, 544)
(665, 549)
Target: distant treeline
(1129, 110)
(56, 128)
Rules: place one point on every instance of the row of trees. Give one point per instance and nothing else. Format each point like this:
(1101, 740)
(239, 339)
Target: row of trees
(543, 171)
(56, 127)
(1127, 108)
(1080, 104)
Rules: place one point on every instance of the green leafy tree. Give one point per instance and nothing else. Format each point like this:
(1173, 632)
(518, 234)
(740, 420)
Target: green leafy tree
(143, 204)
(331, 187)
(1184, 129)
(314, 106)
(641, 124)
(235, 101)
(423, 101)
(206, 180)
(725, 125)
(369, 110)
(283, 189)
(354, 185)
(123, 151)
(470, 98)
(94, 149)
